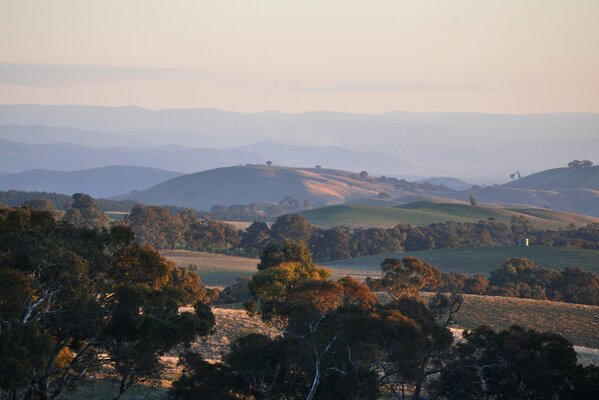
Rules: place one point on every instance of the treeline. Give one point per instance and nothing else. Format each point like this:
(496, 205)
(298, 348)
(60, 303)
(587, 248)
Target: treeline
(61, 202)
(170, 227)
(520, 277)
(162, 228)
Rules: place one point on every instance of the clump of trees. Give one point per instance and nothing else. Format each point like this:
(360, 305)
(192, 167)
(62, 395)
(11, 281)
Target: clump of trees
(520, 277)
(578, 165)
(62, 202)
(74, 301)
(162, 228)
(84, 212)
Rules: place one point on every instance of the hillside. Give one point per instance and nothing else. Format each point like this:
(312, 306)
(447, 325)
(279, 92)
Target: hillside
(480, 260)
(425, 213)
(558, 179)
(562, 189)
(97, 182)
(263, 184)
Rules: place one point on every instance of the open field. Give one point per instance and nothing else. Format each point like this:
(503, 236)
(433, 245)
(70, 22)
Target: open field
(215, 269)
(480, 260)
(576, 322)
(425, 213)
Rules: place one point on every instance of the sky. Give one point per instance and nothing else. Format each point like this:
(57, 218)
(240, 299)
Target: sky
(494, 56)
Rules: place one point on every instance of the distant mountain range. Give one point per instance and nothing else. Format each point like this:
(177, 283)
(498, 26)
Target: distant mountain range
(98, 182)
(481, 148)
(18, 157)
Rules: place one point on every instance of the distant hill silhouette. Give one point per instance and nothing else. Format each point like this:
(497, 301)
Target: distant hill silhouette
(98, 182)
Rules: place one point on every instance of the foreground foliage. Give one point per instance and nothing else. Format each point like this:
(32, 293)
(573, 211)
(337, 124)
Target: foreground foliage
(75, 300)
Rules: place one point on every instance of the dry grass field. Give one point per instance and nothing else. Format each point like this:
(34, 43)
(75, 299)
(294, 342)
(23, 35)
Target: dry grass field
(215, 269)
(576, 322)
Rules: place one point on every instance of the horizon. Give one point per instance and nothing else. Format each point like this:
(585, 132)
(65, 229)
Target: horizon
(315, 111)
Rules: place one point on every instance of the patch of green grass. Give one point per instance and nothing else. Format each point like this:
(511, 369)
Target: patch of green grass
(425, 213)
(479, 260)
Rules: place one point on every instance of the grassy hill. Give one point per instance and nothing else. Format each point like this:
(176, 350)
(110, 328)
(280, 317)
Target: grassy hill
(424, 213)
(477, 260)
(563, 189)
(559, 178)
(261, 184)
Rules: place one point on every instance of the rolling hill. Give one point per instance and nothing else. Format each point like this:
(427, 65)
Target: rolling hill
(98, 182)
(264, 184)
(562, 189)
(559, 179)
(425, 212)
(480, 260)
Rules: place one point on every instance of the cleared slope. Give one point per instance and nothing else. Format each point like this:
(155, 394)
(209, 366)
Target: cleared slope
(258, 184)
(98, 182)
(425, 212)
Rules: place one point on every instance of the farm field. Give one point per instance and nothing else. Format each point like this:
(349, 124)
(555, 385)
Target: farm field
(480, 260)
(214, 269)
(425, 213)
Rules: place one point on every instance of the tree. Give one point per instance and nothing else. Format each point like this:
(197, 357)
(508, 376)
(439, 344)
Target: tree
(276, 253)
(407, 277)
(269, 163)
(85, 213)
(363, 175)
(575, 165)
(291, 227)
(255, 238)
(586, 164)
(473, 201)
(515, 364)
(159, 227)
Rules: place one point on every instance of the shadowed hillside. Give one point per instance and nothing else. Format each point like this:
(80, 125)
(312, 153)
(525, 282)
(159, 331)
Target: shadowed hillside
(97, 182)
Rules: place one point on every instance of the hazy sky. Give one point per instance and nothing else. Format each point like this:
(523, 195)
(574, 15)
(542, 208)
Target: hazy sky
(514, 56)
